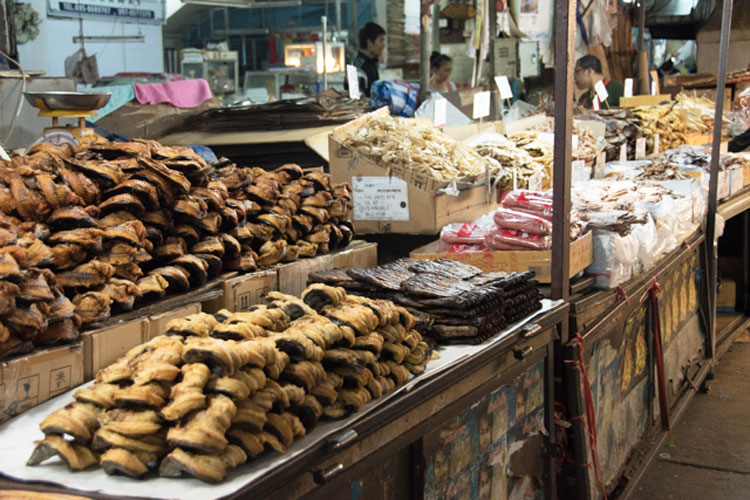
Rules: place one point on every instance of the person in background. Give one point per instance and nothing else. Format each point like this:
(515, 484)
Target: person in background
(440, 73)
(371, 46)
(740, 142)
(588, 72)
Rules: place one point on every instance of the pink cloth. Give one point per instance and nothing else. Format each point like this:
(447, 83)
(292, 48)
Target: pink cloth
(181, 94)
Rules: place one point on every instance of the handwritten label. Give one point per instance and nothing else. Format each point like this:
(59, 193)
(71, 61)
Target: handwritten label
(440, 112)
(628, 87)
(380, 198)
(536, 181)
(353, 81)
(503, 85)
(4, 154)
(601, 161)
(640, 148)
(597, 107)
(515, 178)
(657, 144)
(481, 105)
(724, 147)
(654, 88)
(601, 90)
(624, 152)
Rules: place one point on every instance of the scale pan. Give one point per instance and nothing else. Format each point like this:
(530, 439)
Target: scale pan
(69, 101)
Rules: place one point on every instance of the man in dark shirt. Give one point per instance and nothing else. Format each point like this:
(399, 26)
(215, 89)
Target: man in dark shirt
(371, 45)
(588, 73)
(740, 143)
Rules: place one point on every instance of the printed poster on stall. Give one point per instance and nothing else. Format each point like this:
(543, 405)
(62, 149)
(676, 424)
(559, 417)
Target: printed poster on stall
(469, 458)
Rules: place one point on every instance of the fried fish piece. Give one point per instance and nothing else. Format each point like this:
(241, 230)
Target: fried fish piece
(92, 307)
(99, 394)
(149, 443)
(319, 295)
(88, 275)
(122, 461)
(237, 331)
(251, 442)
(204, 431)
(77, 419)
(130, 423)
(207, 468)
(187, 395)
(151, 395)
(76, 457)
(200, 325)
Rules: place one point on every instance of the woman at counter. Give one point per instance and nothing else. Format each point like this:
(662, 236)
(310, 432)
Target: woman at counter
(440, 73)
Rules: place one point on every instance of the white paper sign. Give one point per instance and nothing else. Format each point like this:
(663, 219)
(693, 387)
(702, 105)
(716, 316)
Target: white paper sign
(601, 160)
(481, 105)
(353, 81)
(640, 148)
(440, 112)
(657, 144)
(597, 107)
(601, 90)
(380, 198)
(628, 87)
(624, 152)
(503, 85)
(536, 181)
(654, 90)
(3, 154)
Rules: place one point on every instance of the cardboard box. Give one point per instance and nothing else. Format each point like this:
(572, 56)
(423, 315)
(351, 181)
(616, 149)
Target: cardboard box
(244, 291)
(358, 254)
(158, 322)
(698, 139)
(644, 100)
(30, 380)
(736, 180)
(104, 346)
(723, 182)
(400, 200)
(581, 256)
(293, 276)
(727, 297)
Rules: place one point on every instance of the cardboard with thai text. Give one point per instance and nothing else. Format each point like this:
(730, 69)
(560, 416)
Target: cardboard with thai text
(244, 291)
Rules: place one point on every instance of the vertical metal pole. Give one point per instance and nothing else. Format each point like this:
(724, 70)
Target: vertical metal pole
(565, 18)
(425, 50)
(492, 17)
(338, 18)
(324, 22)
(642, 54)
(721, 77)
(436, 26)
(746, 262)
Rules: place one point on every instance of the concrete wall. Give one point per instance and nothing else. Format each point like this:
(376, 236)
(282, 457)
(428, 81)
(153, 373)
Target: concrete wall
(708, 56)
(47, 52)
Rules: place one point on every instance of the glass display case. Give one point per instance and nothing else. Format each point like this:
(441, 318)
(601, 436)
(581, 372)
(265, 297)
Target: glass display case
(309, 56)
(219, 68)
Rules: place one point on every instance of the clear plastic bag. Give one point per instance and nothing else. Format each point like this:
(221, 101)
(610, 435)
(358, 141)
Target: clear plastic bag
(465, 234)
(615, 257)
(521, 221)
(537, 203)
(508, 239)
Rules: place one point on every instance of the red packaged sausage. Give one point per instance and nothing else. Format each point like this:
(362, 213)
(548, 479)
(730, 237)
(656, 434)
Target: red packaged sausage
(532, 202)
(521, 221)
(465, 234)
(509, 239)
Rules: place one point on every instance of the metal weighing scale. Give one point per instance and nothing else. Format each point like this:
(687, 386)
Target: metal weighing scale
(61, 104)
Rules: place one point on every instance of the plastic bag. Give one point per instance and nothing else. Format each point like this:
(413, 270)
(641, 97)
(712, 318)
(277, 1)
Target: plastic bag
(508, 239)
(614, 258)
(649, 246)
(521, 221)
(464, 234)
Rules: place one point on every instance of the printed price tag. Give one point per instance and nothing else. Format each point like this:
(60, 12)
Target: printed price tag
(515, 178)
(597, 107)
(624, 152)
(657, 144)
(574, 142)
(353, 81)
(503, 85)
(481, 105)
(380, 198)
(440, 112)
(536, 181)
(4, 154)
(640, 148)
(628, 87)
(601, 90)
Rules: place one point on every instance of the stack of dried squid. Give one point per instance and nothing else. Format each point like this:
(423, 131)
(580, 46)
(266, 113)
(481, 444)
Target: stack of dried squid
(222, 389)
(112, 224)
(453, 302)
(401, 142)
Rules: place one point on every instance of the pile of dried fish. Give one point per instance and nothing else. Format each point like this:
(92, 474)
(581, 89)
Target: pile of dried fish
(585, 149)
(521, 155)
(113, 224)
(406, 143)
(452, 302)
(699, 111)
(665, 120)
(220, 390)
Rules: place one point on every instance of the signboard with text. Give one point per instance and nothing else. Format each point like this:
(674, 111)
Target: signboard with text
(136, 11)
